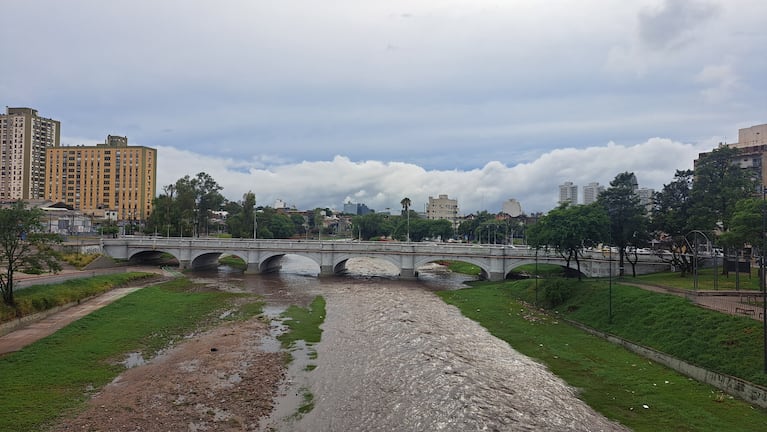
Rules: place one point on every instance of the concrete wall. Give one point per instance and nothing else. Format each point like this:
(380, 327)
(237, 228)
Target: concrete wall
(731, 385)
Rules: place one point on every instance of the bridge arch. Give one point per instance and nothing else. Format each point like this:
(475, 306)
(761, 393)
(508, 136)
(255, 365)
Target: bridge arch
(339, 262)
(483, 266)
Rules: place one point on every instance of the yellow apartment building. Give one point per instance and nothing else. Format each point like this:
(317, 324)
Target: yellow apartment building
(106, 177)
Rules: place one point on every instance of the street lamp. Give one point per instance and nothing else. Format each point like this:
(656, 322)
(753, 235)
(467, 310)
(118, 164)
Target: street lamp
(255, 223)
(764, 285)
(610, 283)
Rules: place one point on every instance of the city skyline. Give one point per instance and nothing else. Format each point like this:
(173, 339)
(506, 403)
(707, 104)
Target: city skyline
(319, 104)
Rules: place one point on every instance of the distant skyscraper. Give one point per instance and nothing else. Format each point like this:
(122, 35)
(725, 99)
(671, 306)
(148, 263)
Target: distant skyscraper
(591, 192)
(24, 137)
(568, 192)
(646, 198)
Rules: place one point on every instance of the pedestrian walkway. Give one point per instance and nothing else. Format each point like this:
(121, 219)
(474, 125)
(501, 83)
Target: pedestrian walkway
(30, 333)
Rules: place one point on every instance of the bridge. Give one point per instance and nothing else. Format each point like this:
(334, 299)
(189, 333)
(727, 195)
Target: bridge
(263, 256)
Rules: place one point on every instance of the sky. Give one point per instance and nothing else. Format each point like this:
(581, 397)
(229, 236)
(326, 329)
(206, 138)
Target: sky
(318, 103)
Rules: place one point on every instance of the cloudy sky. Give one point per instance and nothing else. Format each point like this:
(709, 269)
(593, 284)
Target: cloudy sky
(320, 102)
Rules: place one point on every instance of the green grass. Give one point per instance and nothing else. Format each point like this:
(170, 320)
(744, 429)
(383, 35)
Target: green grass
(39, 298)
(78, 260)
(56, 375)
(610, 379)
(543, 270)
(462, 267)
(705, 280)
(667, 323)
(304, 323)
(233, 262)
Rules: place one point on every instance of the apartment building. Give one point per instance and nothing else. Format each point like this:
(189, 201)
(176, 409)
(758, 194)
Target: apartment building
(106, 177)
(24, 139)
(443, 207)
(568, 192)
(752, 151)
(591, 192)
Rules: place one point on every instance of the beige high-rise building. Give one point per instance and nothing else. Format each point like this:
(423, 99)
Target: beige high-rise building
(106, 177)
(24, 138)
(443, 208)
(752, 152)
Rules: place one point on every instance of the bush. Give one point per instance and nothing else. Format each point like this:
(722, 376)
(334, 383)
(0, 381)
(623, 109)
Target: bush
(557, 291)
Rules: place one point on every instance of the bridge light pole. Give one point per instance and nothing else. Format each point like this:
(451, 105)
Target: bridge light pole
(762, 268)
(255, 223)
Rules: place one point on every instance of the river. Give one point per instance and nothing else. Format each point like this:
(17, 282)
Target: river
(395, 357)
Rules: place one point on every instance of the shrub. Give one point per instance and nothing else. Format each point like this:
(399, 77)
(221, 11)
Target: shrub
(557, 291)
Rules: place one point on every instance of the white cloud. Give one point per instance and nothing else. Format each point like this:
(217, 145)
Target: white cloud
(382, 185)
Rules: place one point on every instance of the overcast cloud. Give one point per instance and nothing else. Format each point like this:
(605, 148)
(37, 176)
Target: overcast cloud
(319, 102)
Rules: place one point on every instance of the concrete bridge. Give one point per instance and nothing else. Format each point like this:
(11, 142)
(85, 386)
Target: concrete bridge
(263, 256)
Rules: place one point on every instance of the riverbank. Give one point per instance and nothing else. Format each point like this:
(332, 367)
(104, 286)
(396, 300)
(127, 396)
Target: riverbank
(623, 386)
(212, 376)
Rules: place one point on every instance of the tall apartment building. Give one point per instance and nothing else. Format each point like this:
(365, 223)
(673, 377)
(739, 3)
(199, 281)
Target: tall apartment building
(106, 177)
(752, 152)
(591, 192)
(443, 208)
(24, 138)
(568, 192)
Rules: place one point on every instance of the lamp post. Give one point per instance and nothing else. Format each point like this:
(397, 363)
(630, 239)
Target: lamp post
(764, 285)
(610, 283)
(536, 276)
(255, 223)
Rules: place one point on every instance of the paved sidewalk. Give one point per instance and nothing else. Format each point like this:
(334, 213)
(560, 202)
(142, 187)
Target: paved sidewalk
(30, 333)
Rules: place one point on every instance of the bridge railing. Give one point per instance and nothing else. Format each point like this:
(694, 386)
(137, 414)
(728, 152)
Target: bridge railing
(341, 246)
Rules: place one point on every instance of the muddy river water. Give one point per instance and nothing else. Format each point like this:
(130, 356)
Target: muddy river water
(394, 357)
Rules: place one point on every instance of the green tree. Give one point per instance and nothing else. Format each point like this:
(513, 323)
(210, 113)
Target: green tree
(185, 206)
(24, 246)
(628, 222)
(406, 214)
(671, 217)
(472, 229)
(719, 184)
(746, 225)
(372, 225)
(570, 229)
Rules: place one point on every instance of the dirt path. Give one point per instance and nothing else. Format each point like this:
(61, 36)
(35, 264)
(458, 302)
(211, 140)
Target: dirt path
(218, 380)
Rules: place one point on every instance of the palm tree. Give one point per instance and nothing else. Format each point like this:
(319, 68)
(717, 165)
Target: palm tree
(406, 207)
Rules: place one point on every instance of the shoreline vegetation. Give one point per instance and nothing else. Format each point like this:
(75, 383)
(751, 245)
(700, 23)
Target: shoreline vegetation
(48, 379)
(50, 375)
(623, 386)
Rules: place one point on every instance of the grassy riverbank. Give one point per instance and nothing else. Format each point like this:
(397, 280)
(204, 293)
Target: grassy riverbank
(39, 298)
(57, 374)
(612, 380)
(707, 279)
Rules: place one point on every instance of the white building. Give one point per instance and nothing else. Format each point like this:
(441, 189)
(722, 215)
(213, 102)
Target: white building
(443, 208)
(568, 192)
(591, 192)
(512, 208)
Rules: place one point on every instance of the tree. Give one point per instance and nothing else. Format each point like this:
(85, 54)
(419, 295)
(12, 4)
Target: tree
(628, 223)
(406, 213)
(671, 218)
(746, 225)
(719, 184)
(24, 246)
(185, 206)
(372, 225)
(472, 229)
(570, 229)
